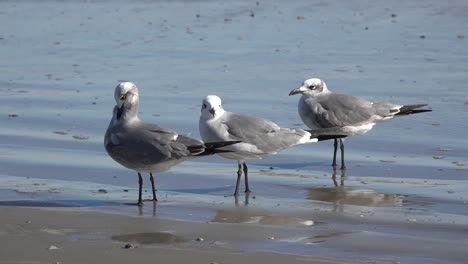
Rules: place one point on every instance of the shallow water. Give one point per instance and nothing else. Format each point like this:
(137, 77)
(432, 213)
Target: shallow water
(59, 67)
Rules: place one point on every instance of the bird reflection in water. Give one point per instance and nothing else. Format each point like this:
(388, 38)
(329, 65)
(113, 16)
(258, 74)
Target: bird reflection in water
(246, 199)
(340, 195)
(153, 211)
(342, 178)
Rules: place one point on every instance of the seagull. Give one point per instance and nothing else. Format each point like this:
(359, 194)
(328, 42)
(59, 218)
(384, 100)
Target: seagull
(319, 108)
(147, 147)
(259, 137)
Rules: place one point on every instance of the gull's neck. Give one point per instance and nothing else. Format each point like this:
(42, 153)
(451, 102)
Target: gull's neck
(218, 114)
(130, 114)
(209, 118)
(325, 88)
(325, 91)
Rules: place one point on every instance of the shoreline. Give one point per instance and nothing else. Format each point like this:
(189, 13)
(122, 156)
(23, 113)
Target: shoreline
(356, 226)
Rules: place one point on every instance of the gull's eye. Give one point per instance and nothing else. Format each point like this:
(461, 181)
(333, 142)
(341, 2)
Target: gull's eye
(312, 87)
(204, 106)
(123, 97)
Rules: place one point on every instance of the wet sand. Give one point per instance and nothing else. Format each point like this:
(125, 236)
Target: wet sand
(335, 223)
(402, 199)
(82, 236)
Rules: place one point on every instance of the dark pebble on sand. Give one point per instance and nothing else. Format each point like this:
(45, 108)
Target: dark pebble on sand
(80, 137)
(129, 246)
(422, 36)
(13, 115)
(394, 15)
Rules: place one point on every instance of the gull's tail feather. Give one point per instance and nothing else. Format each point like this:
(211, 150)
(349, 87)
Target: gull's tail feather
(210, 148)
(411, 109)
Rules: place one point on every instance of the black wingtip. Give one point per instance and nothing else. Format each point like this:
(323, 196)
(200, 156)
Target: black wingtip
(412, 109)
(220, 144)
(328, 137)
(222, 151)
(211, 148)
(326, 134)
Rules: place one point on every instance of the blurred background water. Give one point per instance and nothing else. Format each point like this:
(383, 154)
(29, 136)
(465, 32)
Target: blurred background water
(62, 60)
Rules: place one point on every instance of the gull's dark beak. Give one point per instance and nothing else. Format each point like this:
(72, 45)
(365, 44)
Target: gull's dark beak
(212, 111)
(121, 108)
(298, 90)
(119, 111)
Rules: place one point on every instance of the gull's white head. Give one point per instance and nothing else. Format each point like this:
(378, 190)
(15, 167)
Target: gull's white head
(212, 107)
(126, 99)
(126, 93)
(312, 87)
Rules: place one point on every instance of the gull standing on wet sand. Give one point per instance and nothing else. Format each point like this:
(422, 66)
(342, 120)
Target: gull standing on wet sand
(259, 137)
(147, 147)
(319, 108)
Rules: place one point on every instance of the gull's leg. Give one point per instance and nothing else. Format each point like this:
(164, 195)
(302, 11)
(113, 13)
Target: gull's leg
(246, 177)
(335, 149)
(342, 155)
(140, 183)
(239, 175)
(152, 185)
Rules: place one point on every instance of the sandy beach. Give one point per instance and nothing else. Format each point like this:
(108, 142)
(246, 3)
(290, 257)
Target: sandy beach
(402, 199)
(82, 236)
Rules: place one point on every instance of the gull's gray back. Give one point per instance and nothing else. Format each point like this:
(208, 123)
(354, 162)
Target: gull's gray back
(145, 147)
(339, 110)
(267, 136)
